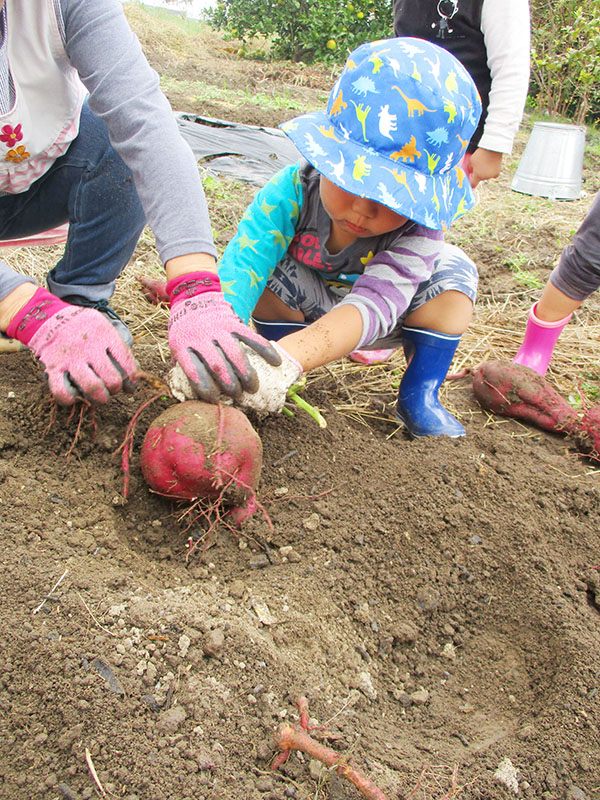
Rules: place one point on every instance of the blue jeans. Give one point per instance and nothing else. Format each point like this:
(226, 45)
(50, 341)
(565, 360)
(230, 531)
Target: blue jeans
(92, 189)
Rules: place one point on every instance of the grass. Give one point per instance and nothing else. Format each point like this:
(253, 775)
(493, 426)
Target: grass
(199, 92)
(177, 19)
(522, 276)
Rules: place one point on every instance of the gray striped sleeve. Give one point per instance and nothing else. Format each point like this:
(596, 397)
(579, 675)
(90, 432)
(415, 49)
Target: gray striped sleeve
(390, 280)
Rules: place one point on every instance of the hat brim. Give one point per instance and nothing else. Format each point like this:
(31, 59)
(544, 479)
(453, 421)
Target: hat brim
(434, 201)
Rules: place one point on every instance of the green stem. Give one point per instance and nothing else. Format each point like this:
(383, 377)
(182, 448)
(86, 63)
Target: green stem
(310, 410)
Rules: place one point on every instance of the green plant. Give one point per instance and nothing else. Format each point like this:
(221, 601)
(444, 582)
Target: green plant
(587, 392)
(565, 58)
(199, 91)
(306, 30)
(522, 276)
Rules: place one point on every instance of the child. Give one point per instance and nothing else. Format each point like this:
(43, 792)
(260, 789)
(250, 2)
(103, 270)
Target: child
(88, 138)
(491, 39)
(380, 183)
(571, 282)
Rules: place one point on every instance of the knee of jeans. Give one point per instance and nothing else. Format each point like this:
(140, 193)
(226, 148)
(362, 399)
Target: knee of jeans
(124, 196)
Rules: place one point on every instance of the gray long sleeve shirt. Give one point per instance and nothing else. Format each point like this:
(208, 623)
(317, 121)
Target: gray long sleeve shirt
(124, 91)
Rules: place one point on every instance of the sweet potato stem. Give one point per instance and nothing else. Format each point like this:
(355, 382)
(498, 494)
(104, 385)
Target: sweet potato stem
(305, 405)
(289, 738)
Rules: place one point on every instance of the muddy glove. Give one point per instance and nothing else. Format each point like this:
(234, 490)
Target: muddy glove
(273, 382)
(205, 337)
(82, 354)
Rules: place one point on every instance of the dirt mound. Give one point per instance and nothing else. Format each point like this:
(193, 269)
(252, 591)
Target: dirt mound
(434, 600)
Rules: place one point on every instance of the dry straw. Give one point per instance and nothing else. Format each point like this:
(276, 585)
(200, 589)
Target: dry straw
(514, 239)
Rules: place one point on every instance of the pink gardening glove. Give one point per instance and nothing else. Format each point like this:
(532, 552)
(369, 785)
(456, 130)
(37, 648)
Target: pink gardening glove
(205, 336)
(82, 354)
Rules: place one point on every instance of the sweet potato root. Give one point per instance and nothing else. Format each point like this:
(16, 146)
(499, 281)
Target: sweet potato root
(513, 390)
(199, 450)
(289, 738)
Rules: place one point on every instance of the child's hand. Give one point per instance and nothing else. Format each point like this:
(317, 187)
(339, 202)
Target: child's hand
(484, 165)
(273, 382)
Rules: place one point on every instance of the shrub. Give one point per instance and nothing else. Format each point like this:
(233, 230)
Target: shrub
(565, 58)
(565, 64)
(306, 30)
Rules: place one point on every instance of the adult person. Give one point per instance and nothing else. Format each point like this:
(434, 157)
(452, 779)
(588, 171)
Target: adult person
(492, 40)
(87, 137)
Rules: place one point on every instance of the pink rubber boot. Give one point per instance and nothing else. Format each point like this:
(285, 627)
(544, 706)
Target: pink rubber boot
(370, 357)
(538, 343)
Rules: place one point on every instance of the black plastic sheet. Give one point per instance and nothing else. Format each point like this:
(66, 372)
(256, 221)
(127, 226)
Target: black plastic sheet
(246, 152)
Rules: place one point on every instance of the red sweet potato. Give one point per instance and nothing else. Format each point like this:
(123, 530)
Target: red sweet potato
(588, 435)
(199, 450)
(154, 290)
(513, 390)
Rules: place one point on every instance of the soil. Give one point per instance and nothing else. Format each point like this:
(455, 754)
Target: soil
(437, 601)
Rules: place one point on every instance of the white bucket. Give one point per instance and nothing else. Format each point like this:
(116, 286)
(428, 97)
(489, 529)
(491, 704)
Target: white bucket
(552, 163)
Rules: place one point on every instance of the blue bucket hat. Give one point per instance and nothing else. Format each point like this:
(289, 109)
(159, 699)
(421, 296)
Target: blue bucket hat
(397, 125)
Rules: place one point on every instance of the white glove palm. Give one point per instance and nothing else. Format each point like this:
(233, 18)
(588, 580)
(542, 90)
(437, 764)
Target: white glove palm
(273, 382)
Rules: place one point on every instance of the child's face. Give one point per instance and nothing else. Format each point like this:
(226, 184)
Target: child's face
(356, 216)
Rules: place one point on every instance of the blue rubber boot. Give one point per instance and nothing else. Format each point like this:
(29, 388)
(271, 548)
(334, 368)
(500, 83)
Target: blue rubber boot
(429, 355)
(274, 331)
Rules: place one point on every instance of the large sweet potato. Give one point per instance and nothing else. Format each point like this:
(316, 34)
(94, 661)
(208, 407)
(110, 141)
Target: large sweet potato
(513, 390)
(199, 450)
(588, 434)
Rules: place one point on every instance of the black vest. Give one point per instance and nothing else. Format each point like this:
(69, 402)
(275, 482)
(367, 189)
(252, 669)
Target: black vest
(454, 25)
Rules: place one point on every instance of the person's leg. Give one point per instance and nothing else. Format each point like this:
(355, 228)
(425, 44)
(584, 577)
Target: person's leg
(271, 308)
(449, 312)
(91, 188)
(554, 305)
(545, 323)
(294, 297)
(571, 282)
(439, 314)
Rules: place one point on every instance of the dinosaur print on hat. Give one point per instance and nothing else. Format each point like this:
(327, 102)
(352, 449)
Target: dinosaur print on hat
(397, 124)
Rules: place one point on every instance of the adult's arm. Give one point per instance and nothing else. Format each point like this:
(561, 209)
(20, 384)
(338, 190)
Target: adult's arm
(506, 29)
(125, 93)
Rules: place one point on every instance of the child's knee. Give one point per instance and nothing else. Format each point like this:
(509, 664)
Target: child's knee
(271, 307)
(448, 312)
